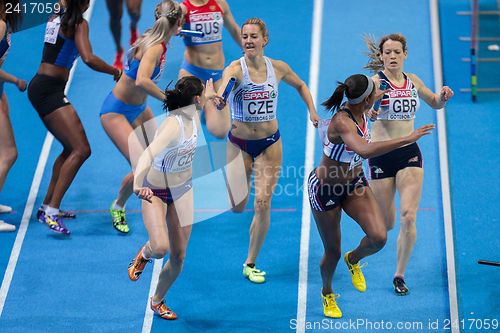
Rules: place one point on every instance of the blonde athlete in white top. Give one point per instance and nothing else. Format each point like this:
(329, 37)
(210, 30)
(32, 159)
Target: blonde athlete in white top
(254, 131)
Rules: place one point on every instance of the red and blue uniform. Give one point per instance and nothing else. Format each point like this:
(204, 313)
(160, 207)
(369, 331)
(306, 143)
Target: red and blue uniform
(131, 112)
(324, 196)
(208, 19)
(398, 104)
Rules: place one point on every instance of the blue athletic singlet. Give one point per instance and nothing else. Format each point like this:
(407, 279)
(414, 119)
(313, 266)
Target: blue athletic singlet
(132, 66)
(58, 50)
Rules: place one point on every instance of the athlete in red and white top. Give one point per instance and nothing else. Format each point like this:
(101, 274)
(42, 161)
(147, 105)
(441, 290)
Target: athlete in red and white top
(254, 132)
(204, 57)
(400, 169)
(338, 183)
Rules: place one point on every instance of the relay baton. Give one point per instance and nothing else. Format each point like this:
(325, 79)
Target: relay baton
(228, 89)
(192, 33)
(383, 86)
(487, 262)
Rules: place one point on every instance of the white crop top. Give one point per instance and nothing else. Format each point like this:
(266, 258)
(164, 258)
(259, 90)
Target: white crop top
(180, 157)
(339, 151)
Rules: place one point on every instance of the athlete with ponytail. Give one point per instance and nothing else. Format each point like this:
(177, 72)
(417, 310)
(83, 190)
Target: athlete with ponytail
(254, 133)
(66, 37)
(125, 108)
(162, 179)
(400, 169)
(338, 183)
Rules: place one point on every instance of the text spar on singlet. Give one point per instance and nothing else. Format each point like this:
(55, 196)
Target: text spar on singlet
(259, 106)
(209, 24)
(403, 104)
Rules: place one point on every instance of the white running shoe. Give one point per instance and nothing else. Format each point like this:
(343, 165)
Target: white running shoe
(5, 209)
(5, 227)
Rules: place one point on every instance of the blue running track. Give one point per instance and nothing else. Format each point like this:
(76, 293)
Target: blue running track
(79, 283)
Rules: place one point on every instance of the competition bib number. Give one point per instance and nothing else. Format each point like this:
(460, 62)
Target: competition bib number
(355, 161)
(403, 104)
(52, 30)
(180, 159)
(259, 106)
(208, 23)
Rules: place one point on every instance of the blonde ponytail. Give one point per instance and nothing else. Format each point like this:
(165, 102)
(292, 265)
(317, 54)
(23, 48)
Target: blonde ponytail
(167, 14)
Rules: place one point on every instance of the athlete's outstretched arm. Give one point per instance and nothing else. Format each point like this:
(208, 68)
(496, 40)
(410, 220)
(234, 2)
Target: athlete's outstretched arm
(230, 23)
(88, 57)
(149, 61)
(434, 100)
(291, 78)
(345, 128)
(217, 121)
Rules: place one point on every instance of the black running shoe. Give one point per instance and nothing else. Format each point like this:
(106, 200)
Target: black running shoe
(400, 287)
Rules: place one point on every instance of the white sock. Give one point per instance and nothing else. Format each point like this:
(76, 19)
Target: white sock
(51, 211)
(44, 207)
(118, 207)
(144, 254)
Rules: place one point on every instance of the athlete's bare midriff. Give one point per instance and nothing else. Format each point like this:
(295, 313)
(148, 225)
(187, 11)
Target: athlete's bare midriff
(128, 92)
(383, 130)
(161, 180)
(254, 131)
(54, 71)
(333, 172)
(209, 56)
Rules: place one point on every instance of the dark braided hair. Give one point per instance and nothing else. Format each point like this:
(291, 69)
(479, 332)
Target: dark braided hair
(73, 16)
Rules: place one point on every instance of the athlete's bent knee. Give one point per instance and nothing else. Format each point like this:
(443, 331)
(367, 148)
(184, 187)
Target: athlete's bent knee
(408, 215)
(159, 251)
(378, 240)
(333, 253)
(261, 205)
(9, 156)
(82, 152)
(177, 258)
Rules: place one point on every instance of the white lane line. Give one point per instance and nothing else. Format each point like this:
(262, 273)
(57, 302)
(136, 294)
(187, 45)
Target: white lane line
(443, 163)
(308, 164)
(148, 315)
